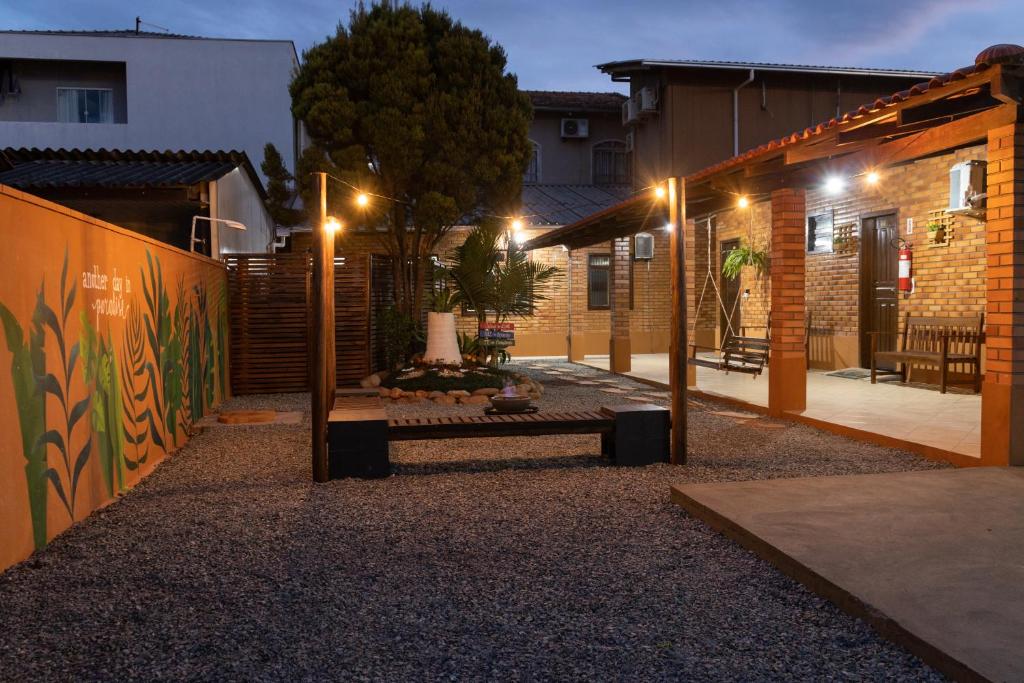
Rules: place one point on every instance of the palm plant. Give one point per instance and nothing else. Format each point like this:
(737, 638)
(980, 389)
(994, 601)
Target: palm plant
(494, 281)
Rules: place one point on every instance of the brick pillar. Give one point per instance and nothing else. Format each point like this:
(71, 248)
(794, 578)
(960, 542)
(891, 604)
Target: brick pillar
(618, 288)
(787, 367)
(1002, 394)
(576, 277)
(693, 283)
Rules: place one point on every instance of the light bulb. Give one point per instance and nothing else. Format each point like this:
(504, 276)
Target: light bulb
(743, 202)
(834, 184)
(362, 199)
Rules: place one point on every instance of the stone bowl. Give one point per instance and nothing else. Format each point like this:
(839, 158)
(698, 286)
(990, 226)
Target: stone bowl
(510, 404)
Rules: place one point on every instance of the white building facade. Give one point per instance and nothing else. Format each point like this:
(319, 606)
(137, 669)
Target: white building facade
(122, 90)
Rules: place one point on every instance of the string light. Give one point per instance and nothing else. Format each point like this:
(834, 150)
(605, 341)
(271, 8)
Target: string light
(659, 192)
(743, 202)
(332, 225)
(872, 178)
(362, 199)
(668, 227)
(517, 225)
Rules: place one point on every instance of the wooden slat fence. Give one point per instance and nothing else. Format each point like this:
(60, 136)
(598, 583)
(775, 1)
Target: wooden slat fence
(271, 321)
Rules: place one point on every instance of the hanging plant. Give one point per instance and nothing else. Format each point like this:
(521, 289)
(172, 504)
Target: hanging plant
(742, 256)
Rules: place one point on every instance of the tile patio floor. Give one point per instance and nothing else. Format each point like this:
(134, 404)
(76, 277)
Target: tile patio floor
(949, 421)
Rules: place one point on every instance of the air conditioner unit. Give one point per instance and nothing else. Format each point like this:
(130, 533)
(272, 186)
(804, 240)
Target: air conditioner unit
(648, 100)
(575, 128)
(967, 187)
(643, 246)
(630, 111)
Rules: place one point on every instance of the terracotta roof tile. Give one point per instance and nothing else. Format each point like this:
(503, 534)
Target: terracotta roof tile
(576, 101)
(862, 110)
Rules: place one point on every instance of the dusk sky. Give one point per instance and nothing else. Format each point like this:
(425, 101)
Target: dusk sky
(554, 45)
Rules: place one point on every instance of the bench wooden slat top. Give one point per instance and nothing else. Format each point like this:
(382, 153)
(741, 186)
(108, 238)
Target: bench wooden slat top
(509, 424)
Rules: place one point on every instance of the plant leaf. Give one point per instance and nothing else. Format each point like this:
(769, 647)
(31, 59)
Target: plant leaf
(54, 437)
(50, 385)
(77, 412)
(83, 457)
(54, 478)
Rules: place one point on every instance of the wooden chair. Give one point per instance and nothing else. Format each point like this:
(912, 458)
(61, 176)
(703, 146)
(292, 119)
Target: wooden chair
(934, 341)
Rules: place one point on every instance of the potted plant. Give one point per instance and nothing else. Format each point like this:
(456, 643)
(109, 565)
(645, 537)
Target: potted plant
(936, 232)
(442, 340)
(742, 256)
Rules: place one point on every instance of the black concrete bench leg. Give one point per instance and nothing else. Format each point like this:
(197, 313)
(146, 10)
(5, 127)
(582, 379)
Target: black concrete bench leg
(357, 444)
(641, 435)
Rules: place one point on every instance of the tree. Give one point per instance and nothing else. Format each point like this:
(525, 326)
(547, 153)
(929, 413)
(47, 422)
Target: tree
(279, 188)
(411, 105)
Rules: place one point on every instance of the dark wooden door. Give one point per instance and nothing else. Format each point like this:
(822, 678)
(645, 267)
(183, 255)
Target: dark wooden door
(879, 308)
(730, 292)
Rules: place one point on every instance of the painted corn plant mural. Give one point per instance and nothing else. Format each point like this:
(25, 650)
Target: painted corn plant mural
(103, 371)
(59, 385)
(28, 363)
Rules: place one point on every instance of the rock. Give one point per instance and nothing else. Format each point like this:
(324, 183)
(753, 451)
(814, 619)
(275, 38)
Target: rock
(445, 400)
(413, 399)
(421, 393)
(370, 382)
(523, 389)
(486, 391)
(534, 395)
(396, 393)
(384, 392)
(436, 394)
(475, 400)
(458, 393)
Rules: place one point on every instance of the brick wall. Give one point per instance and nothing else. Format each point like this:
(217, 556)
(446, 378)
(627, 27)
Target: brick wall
(545, 332)
(950, 280)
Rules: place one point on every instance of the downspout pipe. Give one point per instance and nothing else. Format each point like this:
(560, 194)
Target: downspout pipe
(736, 113)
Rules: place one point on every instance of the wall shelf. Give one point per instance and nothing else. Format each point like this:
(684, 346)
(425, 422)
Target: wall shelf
(845, 238)
(944, 236)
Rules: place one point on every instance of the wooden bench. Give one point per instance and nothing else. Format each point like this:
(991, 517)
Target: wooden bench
(359, 430)
(939, 342)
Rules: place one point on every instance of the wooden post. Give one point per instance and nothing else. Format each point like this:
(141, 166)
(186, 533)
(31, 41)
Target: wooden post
(677, 347)
(323, 375)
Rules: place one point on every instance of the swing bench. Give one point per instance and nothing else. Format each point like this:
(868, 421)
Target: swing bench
(739, 353)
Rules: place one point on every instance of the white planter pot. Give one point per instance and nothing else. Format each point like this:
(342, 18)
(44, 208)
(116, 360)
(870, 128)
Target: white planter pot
(442, 342)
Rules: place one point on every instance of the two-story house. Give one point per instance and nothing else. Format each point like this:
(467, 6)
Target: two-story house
(136, 99)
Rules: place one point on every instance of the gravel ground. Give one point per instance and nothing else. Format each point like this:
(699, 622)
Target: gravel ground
(509, 559)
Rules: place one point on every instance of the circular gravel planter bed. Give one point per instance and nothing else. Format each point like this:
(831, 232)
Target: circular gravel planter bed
(448, 385)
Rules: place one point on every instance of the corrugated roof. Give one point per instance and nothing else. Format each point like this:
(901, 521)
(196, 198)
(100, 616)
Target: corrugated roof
(132, 33)
(50, 168)
(564, 204)
(632, 64)
(576, 101)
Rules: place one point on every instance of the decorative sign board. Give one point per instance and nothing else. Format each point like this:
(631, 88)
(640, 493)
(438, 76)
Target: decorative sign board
(497, 334)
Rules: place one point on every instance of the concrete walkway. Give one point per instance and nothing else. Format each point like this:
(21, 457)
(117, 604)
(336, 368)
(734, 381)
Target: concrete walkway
(933, 560)
(950, 422)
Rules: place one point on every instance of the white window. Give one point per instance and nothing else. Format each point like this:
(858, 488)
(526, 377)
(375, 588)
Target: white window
(85, 105)
(532, 173)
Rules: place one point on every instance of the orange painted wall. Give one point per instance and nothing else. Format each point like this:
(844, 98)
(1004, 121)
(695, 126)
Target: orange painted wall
(91, 317)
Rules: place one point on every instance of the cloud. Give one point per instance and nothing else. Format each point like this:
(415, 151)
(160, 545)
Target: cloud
(554, 44)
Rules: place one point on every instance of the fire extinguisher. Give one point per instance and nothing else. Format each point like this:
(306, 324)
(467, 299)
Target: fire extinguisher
(906, 269)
